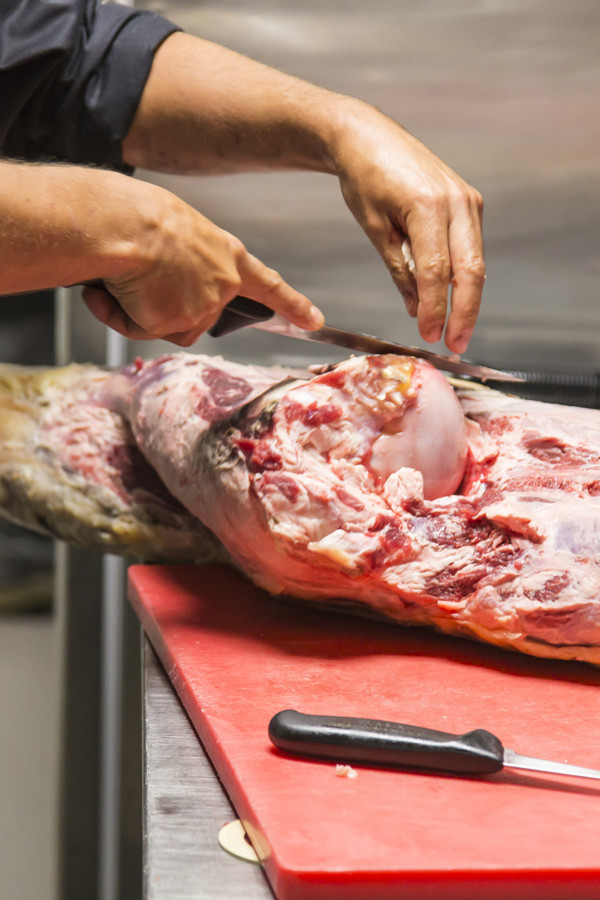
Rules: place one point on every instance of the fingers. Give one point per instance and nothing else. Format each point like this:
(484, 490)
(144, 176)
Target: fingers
(397, 255)
(398, 189)
(445, 249)
(254, 280)
(106, 309)
(466, 251)
(428, 233)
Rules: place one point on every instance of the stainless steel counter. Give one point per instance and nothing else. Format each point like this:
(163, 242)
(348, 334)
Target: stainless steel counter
(185, 807)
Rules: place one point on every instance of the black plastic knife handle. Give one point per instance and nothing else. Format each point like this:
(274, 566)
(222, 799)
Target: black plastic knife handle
(376, 742)
(238, 313)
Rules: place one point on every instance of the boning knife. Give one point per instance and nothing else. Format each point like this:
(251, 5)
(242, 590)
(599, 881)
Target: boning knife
(243, 312)
(380, 743)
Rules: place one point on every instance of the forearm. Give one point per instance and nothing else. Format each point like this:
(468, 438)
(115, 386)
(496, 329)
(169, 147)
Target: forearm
(208, 110)
(58, 225)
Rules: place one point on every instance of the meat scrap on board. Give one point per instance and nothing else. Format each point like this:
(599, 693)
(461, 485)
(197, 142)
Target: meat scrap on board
(373, 484)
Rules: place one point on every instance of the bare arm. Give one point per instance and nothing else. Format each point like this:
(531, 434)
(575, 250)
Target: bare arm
(171, 269)
(206, 109)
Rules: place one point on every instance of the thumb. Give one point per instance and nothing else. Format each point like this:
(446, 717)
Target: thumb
(268, 287)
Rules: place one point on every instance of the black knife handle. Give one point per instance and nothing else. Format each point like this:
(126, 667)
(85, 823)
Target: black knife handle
(377, 742)
(238, 313)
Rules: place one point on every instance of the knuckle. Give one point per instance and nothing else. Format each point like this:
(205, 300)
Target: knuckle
(273, 281)
(152, 327)
(236, 247)
(373, 227)
(476, 199)
(433, 311)
(472, 200)
(228, 286)
(464, 196)
(181, 323)
(399, 272)
(474, 269)
(432, 197)
(436, 269)
(184, 321)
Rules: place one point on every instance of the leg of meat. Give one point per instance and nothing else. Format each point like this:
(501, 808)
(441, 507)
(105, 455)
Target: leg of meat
(70, 468)
(370, 483)
(302, 467)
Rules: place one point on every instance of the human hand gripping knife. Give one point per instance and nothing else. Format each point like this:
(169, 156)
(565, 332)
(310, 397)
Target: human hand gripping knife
(243, 312)
(379, 743)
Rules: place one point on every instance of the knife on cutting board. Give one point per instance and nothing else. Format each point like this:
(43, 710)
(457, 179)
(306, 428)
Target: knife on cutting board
(377, 742)
(242, 312)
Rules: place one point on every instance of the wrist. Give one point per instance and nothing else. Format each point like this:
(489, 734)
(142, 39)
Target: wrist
(350, 125)
(125, 220)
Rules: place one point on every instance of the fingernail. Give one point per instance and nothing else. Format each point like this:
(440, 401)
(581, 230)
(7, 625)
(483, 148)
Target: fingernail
(461, 343)
(316, 317)
(434, 334)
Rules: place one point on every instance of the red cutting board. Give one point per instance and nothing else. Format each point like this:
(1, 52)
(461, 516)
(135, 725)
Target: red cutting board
(237, 656)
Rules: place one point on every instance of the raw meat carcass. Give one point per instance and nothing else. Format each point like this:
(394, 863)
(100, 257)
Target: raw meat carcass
(372, 484)
(69, 467)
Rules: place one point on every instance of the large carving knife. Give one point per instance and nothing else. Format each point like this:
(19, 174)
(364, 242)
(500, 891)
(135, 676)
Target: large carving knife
(242, 312)
(380, 743)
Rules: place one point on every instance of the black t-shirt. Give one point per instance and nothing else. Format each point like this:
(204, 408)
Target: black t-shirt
(71, 75)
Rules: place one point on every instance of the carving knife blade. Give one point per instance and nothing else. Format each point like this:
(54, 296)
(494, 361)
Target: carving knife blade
(378, 742)
(243, 312)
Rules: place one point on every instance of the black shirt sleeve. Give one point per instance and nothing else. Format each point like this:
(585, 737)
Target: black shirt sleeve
(71, 76)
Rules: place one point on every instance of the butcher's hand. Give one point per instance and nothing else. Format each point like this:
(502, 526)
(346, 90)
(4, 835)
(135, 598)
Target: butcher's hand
(182, 272)
(424, 220)
(168, 271)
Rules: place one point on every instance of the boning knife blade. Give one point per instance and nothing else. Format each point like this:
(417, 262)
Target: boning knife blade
(242, 312)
